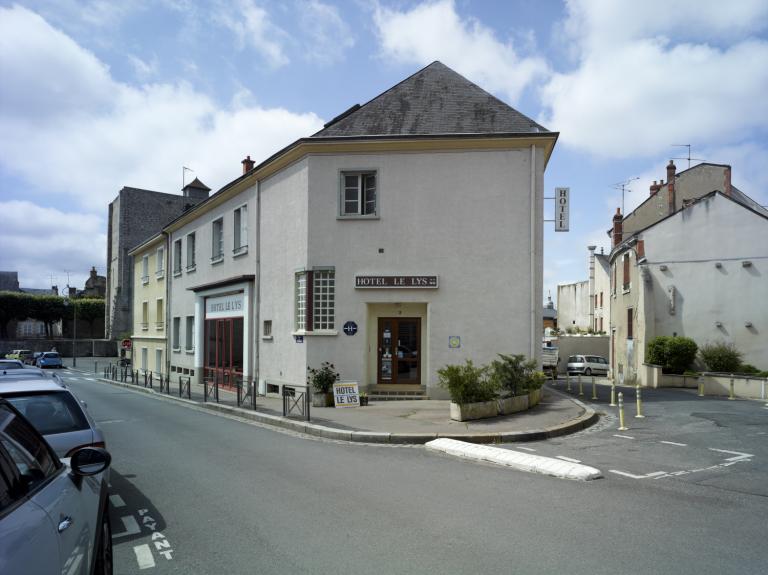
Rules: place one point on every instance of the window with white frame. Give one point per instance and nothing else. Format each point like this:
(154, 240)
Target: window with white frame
(176, 343)
(217, 240)
(267, 328)
(315, 297)
(158, 360)
(144, 358)
(358, 193)
(160, 319)
(177, 257)
(145, 315)
(190, 251)
(160, 267)
(190, 333)
(145, 269)
(241, 229)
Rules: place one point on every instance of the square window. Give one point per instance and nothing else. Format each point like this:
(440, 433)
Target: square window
(190, 252)
(358, 194)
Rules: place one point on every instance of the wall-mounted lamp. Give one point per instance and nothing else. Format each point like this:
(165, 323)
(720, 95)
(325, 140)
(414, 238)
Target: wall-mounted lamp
(747, 324)
(663, 268)
(746, 264)
(718, 324)
(718, 265)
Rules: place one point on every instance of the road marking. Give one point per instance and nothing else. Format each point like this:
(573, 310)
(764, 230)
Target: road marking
(567, 459)
(623, 436)
(144, 556)
(646, 476)
(738, 454)
(110, 421)
(117, 501)
(526, 448)
(131, 527)
(674, 443)
(89, 379)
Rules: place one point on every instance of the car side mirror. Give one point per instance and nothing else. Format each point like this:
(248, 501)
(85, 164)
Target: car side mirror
(88, 461)
(85, 405)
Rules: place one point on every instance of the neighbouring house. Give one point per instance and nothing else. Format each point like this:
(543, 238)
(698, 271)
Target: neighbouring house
(135, 215)
(150, 260)
(693, 266)
(583, 306)
(550, 315)
(403, 236)
(95, 285)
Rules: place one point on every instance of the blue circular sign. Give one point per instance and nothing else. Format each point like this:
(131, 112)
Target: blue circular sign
(350, 328)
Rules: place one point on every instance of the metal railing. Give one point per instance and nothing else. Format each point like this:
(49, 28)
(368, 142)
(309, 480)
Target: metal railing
(184, 387)
(296, 403)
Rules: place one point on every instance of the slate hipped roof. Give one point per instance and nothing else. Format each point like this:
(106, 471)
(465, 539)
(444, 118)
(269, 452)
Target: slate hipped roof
(435, 100)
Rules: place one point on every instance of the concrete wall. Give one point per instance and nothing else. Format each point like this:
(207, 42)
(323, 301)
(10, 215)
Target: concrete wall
(581, 344)
(573, 306)
(718, 384)
(150, 335)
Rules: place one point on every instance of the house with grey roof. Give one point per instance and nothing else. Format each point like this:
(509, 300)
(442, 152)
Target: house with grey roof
(403, 236)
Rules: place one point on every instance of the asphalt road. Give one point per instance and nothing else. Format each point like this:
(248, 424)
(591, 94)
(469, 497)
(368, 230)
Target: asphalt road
(195, 492)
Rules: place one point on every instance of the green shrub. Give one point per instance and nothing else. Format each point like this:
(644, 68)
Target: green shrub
(748, 369)
(721, 357)
(467, 383)
(322, 379)
(674, 354)
(514, 374)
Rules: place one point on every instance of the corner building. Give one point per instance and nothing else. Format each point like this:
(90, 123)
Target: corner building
(404, 236)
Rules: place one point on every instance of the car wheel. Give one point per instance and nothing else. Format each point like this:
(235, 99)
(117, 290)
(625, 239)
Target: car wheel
(104, 553)
(588, 372)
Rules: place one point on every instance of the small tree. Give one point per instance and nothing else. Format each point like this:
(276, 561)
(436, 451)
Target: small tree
(674, 354)
(322, 379)
(467, 383)
(514, 374)
(721, 357)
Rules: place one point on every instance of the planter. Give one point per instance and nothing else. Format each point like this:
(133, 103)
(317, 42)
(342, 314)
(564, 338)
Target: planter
(321, 399)
(363, 401)
(534, 397)
(469, 411)
(514, 404)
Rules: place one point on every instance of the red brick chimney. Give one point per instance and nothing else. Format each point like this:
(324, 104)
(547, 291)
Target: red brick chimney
(655, 187)
(671, 169)
(248, 164)
(618, 228)
(727, 183)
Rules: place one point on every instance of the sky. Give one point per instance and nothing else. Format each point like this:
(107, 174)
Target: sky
(96, 95)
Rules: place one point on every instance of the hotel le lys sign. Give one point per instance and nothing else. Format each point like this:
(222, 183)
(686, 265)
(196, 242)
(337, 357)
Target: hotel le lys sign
(408, 282)
(230, 305)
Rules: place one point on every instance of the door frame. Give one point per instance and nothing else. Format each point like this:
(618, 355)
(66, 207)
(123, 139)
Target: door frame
(395, 321)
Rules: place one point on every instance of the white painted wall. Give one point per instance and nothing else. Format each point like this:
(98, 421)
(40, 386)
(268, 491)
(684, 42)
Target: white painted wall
(573, 305)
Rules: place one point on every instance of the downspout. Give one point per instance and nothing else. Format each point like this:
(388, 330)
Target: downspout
(533, 252)
(168, 279)
(257, 294)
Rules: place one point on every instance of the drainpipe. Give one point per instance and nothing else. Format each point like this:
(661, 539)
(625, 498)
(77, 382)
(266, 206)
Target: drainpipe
(168, 280)
(592, 286)
(534, 298)
(257, 295)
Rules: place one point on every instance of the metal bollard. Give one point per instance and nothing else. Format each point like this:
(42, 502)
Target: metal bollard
(568, 382)
(594, 388)
(639, 403)
(581, 387)
(613, 394)
(731, 395)
(622, 427)
(701, 389)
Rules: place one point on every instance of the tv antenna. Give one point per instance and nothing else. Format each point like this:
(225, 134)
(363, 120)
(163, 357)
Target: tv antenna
(689, 158)
(184, 170)
(623, 186)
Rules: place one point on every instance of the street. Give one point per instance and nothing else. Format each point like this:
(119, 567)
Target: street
(194, 492)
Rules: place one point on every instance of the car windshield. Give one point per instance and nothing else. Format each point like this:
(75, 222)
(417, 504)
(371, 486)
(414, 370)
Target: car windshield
(10, 365)
(51, 354)
(575, 359)
(51, 412)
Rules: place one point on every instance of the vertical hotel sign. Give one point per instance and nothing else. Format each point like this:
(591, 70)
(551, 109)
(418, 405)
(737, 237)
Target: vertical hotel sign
(562, 199)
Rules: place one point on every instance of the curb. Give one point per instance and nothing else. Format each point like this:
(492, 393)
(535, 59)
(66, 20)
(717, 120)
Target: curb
(516, 460)
(585, 420)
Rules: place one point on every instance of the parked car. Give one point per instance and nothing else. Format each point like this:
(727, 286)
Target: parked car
(54, 515)
(587, 365)
(36, 356)
(55, 412)
(21, 354)
(11, 364)
(50, 359)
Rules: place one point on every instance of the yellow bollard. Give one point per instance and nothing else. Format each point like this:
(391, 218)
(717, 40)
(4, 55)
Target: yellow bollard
(594, 388)
(613, 394)
(639, 403)
(731, 396)
(568, 382)
(621, 413)
(701, 389)
(581, 387)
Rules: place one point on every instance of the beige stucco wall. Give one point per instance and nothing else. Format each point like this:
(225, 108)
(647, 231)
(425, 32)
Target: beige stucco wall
(573, 306)
(150, 335)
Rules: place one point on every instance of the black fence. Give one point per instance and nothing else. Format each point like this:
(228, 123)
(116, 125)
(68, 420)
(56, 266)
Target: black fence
(296, 402)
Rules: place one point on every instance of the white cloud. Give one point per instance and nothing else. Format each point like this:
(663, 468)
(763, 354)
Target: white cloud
(435, 31)
(325, 33)
(142, 69)
(647, 78)
(254, 28)
(74, 135)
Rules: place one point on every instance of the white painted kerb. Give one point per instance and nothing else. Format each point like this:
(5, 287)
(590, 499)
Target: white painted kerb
(515, 459)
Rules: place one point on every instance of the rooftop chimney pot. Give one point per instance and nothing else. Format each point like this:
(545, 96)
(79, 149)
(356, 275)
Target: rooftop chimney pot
(248, 164)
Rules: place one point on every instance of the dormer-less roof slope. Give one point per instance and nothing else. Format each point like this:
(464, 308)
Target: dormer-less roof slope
(434, 101)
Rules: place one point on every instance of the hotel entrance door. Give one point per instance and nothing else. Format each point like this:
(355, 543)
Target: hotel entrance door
(224, 350)
(399, 350)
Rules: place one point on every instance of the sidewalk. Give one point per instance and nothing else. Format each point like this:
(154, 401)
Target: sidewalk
(416, 421)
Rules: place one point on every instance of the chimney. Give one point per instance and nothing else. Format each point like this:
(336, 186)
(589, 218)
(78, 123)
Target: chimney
(655, 187)
(671, 168)
(55, 290)
(72, 292)
(618, 228)
(93, 272)
(727, 183)
(248, 164)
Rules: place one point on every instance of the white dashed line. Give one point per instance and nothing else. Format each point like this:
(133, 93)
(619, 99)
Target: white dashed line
(568, 459)
(144, 556)
(131, 527)
(525, 448)
(674, 443)
(117, 501)
(631, 475)
(739, 455)
(623, 436)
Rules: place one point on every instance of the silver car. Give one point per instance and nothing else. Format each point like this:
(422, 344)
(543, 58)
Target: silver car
(54, 411)
(54, 515)
(587, 365)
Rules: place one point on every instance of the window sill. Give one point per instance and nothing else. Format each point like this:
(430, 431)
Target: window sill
(176, 350)
(241, 251)
(144, 280)
(355, 217)
(191, 268)
(160, 275)
(266, 338)
(626, 290)
(176, 273)
(316, 332)
(144, 326)
(159, 326)
(217, 260)
(190, 351)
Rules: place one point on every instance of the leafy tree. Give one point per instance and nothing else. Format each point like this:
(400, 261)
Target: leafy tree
(514, 374)
(721, 357)
(467, 383)
(13, 305)
(90, 310)
(49, 309)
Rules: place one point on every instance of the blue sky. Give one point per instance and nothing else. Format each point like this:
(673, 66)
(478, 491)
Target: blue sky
(96, 95)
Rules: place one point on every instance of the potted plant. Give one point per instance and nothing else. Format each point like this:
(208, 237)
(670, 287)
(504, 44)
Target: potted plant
(322, 380)
(363, 399)
(513, 375)
(473, 392)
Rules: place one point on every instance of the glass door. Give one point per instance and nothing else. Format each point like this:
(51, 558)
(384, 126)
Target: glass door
(399, 351)
(224, 350)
